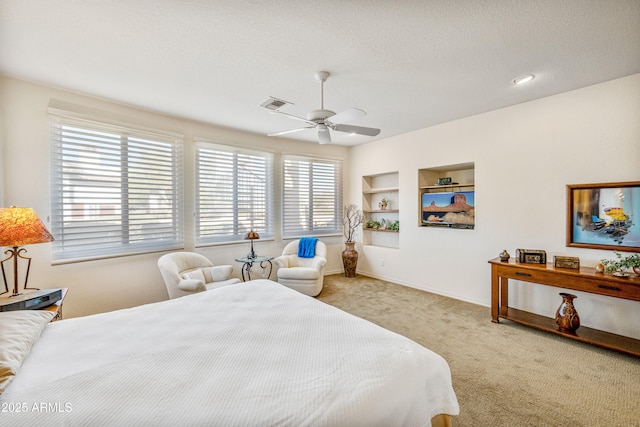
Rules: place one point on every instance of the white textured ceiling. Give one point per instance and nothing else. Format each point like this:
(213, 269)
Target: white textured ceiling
(410, 64)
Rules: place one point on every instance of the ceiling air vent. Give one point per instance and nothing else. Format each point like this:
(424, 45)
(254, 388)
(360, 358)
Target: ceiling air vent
(274, 103)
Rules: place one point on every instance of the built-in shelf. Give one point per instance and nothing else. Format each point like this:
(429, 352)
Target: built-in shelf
(381, 211)
(380, 190)
(380, 230)
(374, 189)
(447, 187)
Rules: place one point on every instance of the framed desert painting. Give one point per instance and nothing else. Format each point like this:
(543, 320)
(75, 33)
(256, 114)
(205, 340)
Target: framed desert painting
(604, 216)
(452, 210)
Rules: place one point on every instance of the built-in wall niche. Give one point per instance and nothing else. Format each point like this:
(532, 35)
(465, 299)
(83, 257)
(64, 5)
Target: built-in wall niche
(381, 209)
(446, 196)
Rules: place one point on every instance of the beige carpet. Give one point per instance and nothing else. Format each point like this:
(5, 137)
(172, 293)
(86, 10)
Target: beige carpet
(503, 374)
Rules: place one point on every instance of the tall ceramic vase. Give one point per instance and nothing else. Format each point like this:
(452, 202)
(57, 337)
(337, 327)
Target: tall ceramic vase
(566, 315)
(350, 259)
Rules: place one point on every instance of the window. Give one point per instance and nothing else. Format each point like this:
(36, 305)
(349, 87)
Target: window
(115, 191)
(312, 196)
(234, 193)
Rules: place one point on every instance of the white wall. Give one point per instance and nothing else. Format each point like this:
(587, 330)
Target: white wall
(524, 157)
(109, 284)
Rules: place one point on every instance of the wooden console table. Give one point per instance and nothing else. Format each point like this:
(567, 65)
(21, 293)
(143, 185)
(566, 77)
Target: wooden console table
(585, 280)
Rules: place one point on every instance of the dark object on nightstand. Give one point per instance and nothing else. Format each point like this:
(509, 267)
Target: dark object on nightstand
(31, 300)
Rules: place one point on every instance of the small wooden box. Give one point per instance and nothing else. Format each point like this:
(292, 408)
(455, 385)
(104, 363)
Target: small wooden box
(531, 256)
(566, 262)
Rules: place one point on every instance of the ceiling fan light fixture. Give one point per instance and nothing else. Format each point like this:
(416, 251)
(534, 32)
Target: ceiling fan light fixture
(521, 80)
(324, 136)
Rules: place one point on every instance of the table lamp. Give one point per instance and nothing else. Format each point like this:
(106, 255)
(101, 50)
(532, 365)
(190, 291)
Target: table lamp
(19, 227)
(251, 235)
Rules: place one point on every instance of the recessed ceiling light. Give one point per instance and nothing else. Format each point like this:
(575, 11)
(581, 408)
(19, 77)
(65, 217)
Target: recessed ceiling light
(523, 79)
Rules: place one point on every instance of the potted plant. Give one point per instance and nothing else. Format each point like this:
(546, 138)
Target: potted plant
(622, 263)
(351, 221)
(372, 224)
(382, 204)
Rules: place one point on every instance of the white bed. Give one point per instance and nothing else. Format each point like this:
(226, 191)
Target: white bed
(254, 353)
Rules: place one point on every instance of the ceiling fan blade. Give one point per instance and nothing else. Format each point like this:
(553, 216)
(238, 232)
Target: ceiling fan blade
(347, 116)
(289, 131)
(360, 130)
(293, 117)
(324, 137)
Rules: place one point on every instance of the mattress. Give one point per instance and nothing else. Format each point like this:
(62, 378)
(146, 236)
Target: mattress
(255, 353)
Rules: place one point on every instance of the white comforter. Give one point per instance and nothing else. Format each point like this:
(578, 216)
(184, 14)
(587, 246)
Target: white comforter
(255, 353)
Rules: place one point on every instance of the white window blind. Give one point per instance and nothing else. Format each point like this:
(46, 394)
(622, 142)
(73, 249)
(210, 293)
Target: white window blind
(312, 196)
(115, 191)
(234, 193)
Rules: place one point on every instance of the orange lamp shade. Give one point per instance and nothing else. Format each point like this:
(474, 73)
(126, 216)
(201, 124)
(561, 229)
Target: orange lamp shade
(251, 235)
(22, 226)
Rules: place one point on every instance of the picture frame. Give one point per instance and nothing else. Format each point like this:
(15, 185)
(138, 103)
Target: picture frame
(604, 216)
(448, 209)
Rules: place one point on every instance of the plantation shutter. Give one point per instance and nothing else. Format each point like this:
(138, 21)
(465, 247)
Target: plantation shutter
(115, 190)
(312, 196)
(234, 193)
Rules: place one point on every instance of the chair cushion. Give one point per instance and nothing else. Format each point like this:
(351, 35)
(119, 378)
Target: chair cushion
(219, 273)
(196, 274)
(304, 273)
(192, 285)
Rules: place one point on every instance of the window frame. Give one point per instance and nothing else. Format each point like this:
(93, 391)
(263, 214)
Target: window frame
(315, 164)
(262, 207)
(145, 157)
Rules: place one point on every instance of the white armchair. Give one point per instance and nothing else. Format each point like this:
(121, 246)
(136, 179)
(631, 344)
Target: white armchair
(187, 272)
(305, 275)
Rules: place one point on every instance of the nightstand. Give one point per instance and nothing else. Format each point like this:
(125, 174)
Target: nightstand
(56, 307)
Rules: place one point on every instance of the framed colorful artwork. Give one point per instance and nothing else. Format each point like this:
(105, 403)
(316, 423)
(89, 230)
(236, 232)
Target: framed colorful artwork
(604, 216)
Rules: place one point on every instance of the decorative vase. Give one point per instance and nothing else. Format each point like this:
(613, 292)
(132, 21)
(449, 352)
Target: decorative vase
(504, 256)
(350, 259)
(566, 316)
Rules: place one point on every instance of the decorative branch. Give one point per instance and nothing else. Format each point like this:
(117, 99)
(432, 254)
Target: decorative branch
(351, 220)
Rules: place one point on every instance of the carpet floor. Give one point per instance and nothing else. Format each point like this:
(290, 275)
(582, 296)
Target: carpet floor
(503, 374)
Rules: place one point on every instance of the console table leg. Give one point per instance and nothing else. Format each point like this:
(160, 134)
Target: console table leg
(495, 295)
(504, 292)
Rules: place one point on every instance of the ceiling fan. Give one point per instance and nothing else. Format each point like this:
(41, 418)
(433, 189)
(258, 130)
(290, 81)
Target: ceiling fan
(326, 120)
